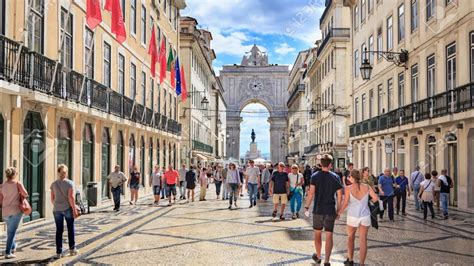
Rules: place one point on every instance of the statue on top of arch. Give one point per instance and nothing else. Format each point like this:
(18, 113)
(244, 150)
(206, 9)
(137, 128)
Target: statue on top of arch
(255, 58)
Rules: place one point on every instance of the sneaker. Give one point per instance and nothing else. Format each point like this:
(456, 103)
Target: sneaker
(10, 256)
(131, 203)
(404, 213)
(235, 204)
(327, 264)
(230, 207)
(250, 206)
(282, 218)
(316, 259)
(293, 216)
(297, 215)
(255, 203)
(73, 252)
(274, 214)
(58, 256)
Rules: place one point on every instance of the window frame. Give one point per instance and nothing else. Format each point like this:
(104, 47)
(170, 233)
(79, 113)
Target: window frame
(67, 35)
(414, 20)
(415, 86)
(143, 28)
(401, 23)
(133, 17)
(390, 105)
(107, 61)
(450, 61)
(430, 69)
(401, 89)
(471, 41)
(133, 81)
(121, 73)
(389, 32)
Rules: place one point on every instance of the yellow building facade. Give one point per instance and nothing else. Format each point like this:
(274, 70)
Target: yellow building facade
(90, 103)
(419, 113)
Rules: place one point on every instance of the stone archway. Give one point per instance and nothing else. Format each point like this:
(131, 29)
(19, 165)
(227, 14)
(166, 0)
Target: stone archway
(256, 81)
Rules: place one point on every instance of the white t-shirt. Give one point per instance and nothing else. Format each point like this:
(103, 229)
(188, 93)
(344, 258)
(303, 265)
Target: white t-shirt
(429, 187)
(252, 173)
(293, 178)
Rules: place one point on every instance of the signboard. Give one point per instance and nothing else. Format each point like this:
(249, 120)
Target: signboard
(388, 145)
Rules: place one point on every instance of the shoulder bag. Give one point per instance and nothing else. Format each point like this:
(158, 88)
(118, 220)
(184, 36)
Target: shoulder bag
(25, 206)
(292, 191)
(421, 194)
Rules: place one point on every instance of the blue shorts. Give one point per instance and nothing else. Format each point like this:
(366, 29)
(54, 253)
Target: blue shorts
(156, 190)
(134, 186)
(171, 189)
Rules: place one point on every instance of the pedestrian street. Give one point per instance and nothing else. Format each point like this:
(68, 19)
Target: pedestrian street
(207, 233)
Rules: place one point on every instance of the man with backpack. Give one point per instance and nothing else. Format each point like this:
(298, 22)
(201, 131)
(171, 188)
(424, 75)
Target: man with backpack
(445, 183)
(416, 178)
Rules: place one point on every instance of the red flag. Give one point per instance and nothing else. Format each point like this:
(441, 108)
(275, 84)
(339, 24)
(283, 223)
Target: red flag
(184, 91)
(162, 61)
(117, 25)
(93, 14)
(173, 77)
(152, 51)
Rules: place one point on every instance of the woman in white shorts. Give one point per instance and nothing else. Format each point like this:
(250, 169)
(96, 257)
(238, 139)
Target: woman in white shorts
(358, 214)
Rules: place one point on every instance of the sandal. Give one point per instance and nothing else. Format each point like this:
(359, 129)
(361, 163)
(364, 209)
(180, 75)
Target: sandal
(274, 214)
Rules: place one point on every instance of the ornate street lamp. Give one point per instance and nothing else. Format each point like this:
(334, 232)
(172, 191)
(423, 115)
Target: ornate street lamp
(205, 102)
(219, 122)
(292, 133)
(397, 58)
(312, 113)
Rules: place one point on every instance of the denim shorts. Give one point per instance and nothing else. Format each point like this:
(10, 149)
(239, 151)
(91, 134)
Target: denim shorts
(171, 189)
(156, 190)
(134, 186)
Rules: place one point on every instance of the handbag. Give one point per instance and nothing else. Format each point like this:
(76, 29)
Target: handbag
(292, 191)
(25, 206)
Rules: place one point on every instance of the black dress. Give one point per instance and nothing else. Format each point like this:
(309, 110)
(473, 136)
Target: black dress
(190, 179)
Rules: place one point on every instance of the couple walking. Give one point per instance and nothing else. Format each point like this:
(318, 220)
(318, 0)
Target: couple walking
(327, 209)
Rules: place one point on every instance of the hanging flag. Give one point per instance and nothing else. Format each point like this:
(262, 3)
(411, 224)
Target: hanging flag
(169, 64)
(93, 13)
(184, 91)
(162, 61)
(117, 26)
(178, 77)
(173, 76)
(152, 51)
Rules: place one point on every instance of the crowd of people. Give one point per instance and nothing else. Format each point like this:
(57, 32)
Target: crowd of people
(329, 190)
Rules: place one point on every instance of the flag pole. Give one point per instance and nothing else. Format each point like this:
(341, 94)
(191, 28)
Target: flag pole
(60, 50)
(22, 44)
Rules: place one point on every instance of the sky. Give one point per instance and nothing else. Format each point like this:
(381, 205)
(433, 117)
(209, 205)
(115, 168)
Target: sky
(254, 117)
(282, 28)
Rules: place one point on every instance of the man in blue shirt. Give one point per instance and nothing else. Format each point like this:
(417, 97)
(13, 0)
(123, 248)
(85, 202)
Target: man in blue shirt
(401, 191)
(386, 193)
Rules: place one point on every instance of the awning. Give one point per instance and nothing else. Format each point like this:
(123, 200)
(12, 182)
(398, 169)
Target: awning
(201, 157)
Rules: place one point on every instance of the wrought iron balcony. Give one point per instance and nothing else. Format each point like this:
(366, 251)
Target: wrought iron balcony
(199, 146)
(334, 33)
(457, 100)
(36, 72)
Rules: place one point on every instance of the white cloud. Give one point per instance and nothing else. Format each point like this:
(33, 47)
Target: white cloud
(298, 19)
(255, 117)
(284, 49)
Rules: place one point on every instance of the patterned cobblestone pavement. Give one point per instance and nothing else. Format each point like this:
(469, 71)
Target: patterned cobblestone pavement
(207, 233)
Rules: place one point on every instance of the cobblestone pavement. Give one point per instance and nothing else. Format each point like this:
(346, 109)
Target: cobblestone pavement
(207, 233)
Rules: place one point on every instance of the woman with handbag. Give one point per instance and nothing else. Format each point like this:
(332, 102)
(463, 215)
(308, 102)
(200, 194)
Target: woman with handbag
(296, 191)
(13, 194)
(64, 208)
(358, 214)
(426, 195)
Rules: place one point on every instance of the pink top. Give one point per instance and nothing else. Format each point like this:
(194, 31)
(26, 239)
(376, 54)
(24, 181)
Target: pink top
(203, 178)
(11, 198)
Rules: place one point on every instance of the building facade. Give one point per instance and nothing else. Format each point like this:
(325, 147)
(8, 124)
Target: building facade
(256, 81)
(90, 106)
(419, 113)
(298, 114)
(201, 114)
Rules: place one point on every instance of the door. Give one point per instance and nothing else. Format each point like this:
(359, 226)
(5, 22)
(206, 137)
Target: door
(142, 161)
(64, 147)
(87, 158)
(33, 163)
(105, 163)
(453, 171)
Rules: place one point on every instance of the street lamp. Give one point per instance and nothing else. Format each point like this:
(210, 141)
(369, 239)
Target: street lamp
(312, 113)
(292, 133)
(397, 58)
(205, 102)
(219, 122)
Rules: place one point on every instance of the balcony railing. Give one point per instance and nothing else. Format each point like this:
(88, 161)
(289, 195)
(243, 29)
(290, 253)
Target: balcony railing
(36, 72)
(334, 33)
(328, 6)
(457, 100)
(197, 145)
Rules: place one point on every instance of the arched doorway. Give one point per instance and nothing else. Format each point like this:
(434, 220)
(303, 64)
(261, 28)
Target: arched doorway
(169, 154)
(87, 157)
(414, 153)
(105, 163)
(142, 160)
(356, 156)
(175, 158)
(401, 154)
(371, 157)
(150, 156)
(64, 147)
(131, 153)
(362, 156)
(33, 163)
(164, 154)
(470, 170)
(430, 156)
(451, 162)
(120, 150)
(379, 158)
(158, 152)
(254, 117)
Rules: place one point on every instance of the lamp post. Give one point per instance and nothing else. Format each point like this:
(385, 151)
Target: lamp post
(398, 58)
(312, 113)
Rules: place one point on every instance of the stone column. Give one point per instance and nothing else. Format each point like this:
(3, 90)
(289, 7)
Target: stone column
(278, 150)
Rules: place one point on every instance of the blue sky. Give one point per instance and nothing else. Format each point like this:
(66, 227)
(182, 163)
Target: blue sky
(254, 117)
(279, 27)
